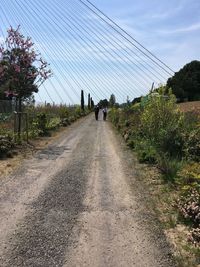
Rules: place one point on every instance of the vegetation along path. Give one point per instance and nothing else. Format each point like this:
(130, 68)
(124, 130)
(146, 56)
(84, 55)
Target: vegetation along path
(79, 203)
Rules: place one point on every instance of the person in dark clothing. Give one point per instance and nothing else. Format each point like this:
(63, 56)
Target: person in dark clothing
(105, 111)
(96, 111)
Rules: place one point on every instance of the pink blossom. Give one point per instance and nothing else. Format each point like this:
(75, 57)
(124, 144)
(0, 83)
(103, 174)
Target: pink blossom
(17, 68)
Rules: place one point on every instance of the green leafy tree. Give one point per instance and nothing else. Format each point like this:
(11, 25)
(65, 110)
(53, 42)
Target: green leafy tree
(103, 103)
(185, 83)
(161, 122)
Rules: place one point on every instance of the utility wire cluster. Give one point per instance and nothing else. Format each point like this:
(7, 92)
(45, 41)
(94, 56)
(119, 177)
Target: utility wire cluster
(86, 50)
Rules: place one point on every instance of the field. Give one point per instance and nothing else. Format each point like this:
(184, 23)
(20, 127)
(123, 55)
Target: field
(190, 107)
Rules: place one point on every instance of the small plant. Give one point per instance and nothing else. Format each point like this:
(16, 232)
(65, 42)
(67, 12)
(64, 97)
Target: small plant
(169, 166)
(41, 123)
(189, 174)
(63, 112)
(189, 203)
(192, 145)
(53, 123)
(145, 151)
(65, 122)
(6, 144)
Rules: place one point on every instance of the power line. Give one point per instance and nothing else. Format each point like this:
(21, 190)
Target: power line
(67, 30)
(114, 23)
(89, 43)
(115, 38)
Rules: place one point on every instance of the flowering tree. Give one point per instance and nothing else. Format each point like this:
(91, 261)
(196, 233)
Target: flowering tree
(22, 70)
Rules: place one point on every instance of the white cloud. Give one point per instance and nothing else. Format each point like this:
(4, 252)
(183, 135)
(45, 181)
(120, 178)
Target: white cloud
(190, 28)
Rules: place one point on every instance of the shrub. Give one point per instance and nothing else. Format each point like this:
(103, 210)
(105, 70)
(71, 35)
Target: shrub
(145, 151)
(53, 123)
(114, 115)
(41, 123)
(65, 122)
(161, 124)
(78, 111)
(189, 174)
(6, 144)
(192, 145)
(169, 166)
(189, 204)
(63, 112)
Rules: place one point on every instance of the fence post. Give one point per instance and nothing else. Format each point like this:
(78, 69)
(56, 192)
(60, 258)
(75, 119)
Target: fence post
(26, 127)
(15, 125)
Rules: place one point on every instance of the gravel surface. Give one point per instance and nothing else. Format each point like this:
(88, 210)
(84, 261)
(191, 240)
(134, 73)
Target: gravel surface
(79, 203)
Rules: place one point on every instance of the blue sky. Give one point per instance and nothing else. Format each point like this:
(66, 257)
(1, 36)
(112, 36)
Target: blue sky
(170, 29)
(82, 56)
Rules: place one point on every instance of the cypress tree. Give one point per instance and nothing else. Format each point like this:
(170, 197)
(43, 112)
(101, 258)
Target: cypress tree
(82, 100)
(89, 102)
(92, 103)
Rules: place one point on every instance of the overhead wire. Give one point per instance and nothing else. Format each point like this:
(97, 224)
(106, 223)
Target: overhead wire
(13, 19)
(89, 45)
(55, 76)
(115, 45)
(125, 32)
(108, 35)
(79, 28)
(70, 32)
(58, 45)
(112, 64)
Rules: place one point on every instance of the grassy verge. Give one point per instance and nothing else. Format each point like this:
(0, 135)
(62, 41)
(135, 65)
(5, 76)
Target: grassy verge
(168, 141)
(177, 230)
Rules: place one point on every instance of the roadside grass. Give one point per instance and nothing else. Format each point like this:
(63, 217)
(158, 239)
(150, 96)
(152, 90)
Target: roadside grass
(176, 229)
(40, 121)
(166, 142)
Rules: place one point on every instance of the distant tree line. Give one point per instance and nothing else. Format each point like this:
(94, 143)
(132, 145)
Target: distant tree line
(185, 84)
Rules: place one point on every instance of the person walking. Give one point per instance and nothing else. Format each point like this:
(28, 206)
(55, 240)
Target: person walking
(96, 111)
(105, 111)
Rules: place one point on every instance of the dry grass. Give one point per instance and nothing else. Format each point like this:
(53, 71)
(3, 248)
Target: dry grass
(193, 107)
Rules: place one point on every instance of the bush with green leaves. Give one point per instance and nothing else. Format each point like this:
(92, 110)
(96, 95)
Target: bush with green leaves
(189, 174)
(161, 124)
(6, 144)
(63, 112)
(41, 122)
(114, 115)
(192, 144)
(169, 166)
(145, 151)
(65, 122)
(189, 204)
(53, 123)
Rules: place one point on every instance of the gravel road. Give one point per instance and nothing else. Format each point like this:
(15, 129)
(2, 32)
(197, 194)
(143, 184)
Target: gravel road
(79, 203)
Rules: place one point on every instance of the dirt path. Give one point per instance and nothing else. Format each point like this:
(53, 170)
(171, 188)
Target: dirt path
(79, 203)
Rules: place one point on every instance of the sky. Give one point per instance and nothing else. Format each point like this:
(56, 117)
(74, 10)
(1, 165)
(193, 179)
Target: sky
(85, 53)
(168, 28)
